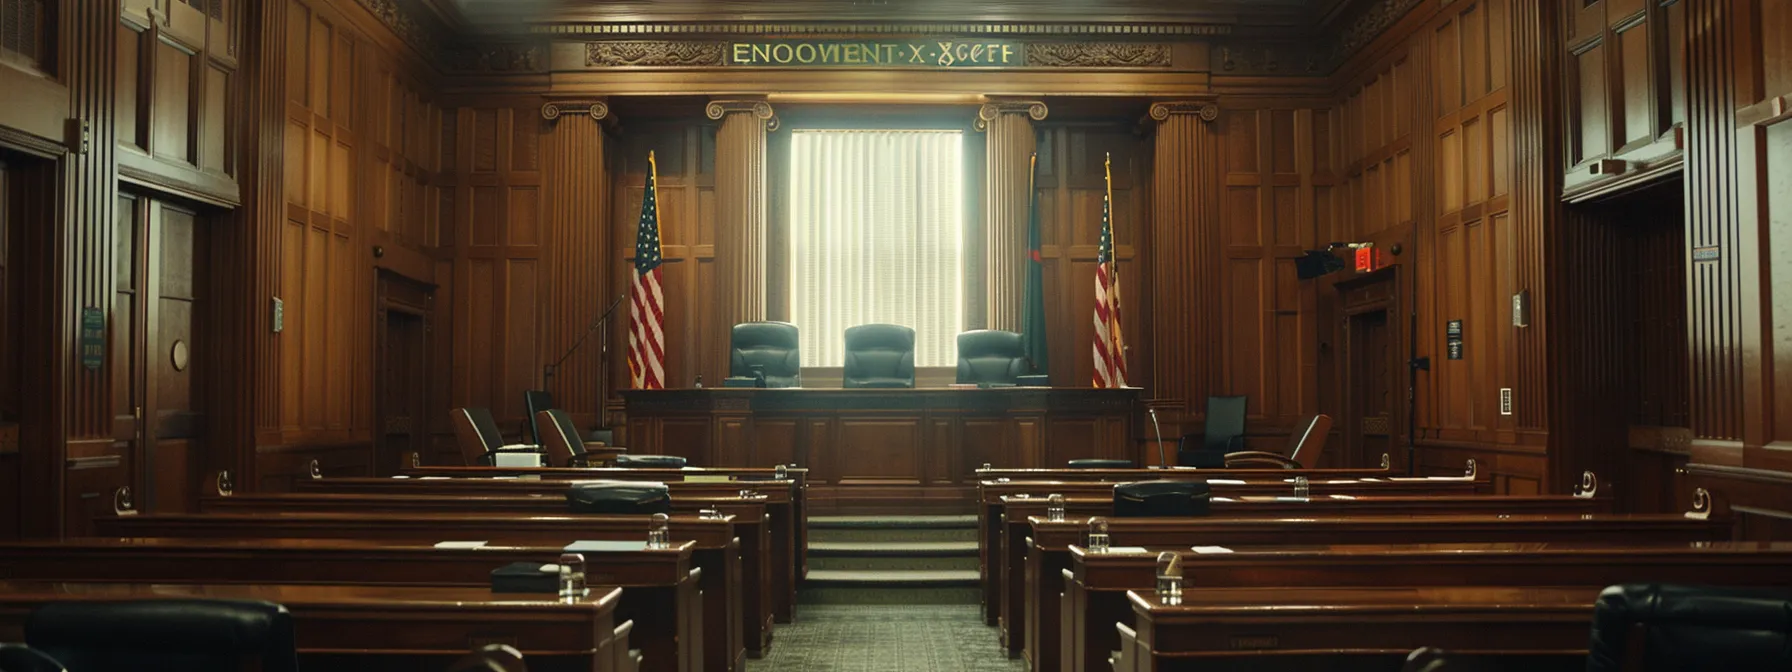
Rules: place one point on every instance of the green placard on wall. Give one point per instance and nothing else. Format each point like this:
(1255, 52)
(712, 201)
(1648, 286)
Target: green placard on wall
(878, 53)
(93, 338)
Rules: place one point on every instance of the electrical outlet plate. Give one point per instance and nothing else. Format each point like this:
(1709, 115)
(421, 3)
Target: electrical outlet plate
(1505, 401)
(279, 317)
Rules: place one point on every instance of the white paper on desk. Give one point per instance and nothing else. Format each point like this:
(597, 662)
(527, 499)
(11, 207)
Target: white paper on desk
(460, 544)
(1340, 481)
(1127, 549)
(1343, 496)
(1224, 499)
(602, 546)
(433, 478)
(401, 476)
(1371, 480)
(1212, 549)
(708, 478)
(1224, 481)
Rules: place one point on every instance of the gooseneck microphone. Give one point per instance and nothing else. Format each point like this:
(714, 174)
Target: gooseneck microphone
(1162, 463)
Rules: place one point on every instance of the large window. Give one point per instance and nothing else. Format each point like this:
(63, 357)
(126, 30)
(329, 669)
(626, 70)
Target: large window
(876, 228)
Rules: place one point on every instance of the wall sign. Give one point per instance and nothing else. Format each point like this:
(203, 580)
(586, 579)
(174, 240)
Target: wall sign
(1453, 339)
(93, 338)
(878, 53)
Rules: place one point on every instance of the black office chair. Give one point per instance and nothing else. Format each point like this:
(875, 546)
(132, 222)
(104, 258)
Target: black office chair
(1690, 629)
(476, 432)
(879, 355)
(536, 401)
(1161, 499)
(561, 441)
(188, 635)
(22, 658)
(991, 356)
(1223, 432)
(772, 347)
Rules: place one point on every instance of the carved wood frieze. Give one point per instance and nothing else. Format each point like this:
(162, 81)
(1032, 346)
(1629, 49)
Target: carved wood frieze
(1007, 29)
(498, 58)
(1273, 59)
(402, 21)
(650, 53)
(1098, 54)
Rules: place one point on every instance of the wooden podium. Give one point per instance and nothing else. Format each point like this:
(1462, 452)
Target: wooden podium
(885, 450)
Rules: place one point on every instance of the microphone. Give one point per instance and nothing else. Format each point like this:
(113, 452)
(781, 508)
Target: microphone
(1162, 463)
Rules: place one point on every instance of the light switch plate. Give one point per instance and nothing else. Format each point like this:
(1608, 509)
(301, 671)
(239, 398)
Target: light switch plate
(1505, 401)
(279, 318)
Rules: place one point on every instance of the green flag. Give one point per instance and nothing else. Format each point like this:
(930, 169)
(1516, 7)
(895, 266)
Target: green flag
(1032, 312)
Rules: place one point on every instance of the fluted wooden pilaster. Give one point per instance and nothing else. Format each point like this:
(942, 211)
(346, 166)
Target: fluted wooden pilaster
(1183, 250)
(1010, 146)
(740, 223)
(576, 203)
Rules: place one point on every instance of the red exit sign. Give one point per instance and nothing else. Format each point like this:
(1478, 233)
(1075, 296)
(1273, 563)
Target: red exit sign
(1365, 259)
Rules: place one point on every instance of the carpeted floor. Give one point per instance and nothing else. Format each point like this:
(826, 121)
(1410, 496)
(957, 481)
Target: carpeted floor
(886, 638)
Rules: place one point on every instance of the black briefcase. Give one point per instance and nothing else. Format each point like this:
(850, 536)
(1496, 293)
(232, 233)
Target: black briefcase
(1162, 499)
(627, 461)
(619, 498)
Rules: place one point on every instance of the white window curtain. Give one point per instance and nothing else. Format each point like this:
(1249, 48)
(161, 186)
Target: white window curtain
(876, 227)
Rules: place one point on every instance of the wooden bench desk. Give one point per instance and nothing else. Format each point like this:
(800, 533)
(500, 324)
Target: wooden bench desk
(717, 550)
(1153, 473)
(1016, 509)
(660, 594)
(782, 499)
(1048, 547)
(1223, 483)
(1094, 597)
(1351, 629)
(798, 484)
(387, 628)
(768, 574)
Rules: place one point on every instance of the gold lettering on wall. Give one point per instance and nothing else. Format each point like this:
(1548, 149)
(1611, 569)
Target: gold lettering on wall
(934, 53)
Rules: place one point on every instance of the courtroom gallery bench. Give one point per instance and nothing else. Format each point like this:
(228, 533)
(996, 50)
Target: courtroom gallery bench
(1094, 597)
(717, 550)
(1350, 629)
(1049, 542)
(357, 628)
(660, 586)
(783, 500)
(766, 566)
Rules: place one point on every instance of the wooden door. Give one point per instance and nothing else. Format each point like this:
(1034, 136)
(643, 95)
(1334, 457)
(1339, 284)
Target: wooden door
(1369, 388)
(402, 369)
(158, 348)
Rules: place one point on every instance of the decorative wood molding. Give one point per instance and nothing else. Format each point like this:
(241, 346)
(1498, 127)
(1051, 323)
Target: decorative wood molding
(758, 108)
(1369, 23)
(1007, 29)
(511, 57)
(596, 109)
(1207, 110)
(31, 144)
(1272, 59)
(654, 53)
(1098, 54)
(1034, 109)
(426, 39)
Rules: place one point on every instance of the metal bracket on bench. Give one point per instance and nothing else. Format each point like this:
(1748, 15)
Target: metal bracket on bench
(1474, 470)
(223, 483)
(1701, 505)
(317, 471)
(121, 502)
(1386, 462)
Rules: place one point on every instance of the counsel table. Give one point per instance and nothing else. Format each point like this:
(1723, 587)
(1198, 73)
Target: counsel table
(885, 450)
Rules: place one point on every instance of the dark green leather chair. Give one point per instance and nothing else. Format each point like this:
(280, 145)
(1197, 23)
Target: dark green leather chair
(991, 356)
(879, 355)
(772, 346)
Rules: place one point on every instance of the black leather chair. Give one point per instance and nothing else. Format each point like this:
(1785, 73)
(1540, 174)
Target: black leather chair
(991, 356)
(772, 346)
(1304, 445)
(184, 635)
(1223, 432)
(21, 658)
(650, 461)
(879, 355)
(561, 441)
(536, 401)
(477, 434)
(1156, 499)
(1670, 628)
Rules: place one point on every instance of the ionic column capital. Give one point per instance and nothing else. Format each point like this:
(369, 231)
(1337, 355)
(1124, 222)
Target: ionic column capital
(718, 109)
(1034, 109)
(598, 110)
(1207, 109)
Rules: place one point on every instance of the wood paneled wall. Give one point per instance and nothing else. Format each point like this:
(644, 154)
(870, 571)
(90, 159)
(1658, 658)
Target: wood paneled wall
(493, 232)
(686, 154)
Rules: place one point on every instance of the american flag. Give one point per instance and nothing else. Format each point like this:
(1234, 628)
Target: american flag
(1110, 345)
(646, 340)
